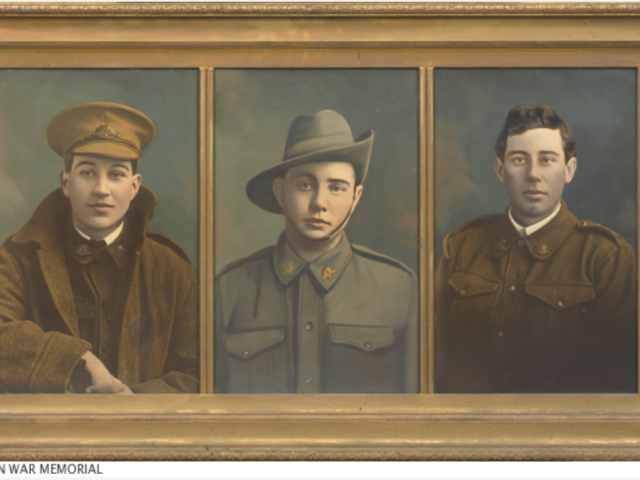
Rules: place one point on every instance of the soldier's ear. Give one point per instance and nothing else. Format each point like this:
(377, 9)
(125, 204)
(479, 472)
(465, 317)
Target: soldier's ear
(570, 169)
(356, 196)
(136, 182)
(498, 165)
(278, 191)
(64, 182)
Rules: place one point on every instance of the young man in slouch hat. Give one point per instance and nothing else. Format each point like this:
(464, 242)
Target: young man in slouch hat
(535, 300)
(316, 313)
(89, 300)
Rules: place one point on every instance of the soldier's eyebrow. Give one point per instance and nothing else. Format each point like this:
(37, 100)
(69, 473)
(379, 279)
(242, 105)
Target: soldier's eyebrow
(338, 180)
(517, 152)
(549, 152)
(121, 165)
(85, 162)
(305, 174)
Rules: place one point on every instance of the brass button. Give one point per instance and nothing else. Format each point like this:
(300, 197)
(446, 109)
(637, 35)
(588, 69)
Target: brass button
(500, 334)
(560, 303)
(463, 292)
(245, 353)
(511, 288)
(308, 326)
(308, 380)
(583, 223)
(368, 345)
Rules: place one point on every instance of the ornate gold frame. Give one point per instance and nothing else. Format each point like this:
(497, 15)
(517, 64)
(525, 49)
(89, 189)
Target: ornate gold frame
(421, 36)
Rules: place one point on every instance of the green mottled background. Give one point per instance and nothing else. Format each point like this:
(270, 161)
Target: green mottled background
(253, 111)
(598, 104)
(29, 169)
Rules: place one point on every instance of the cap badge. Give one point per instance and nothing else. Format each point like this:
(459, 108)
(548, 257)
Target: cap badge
(106, 130)
(82, 250)
(327, 272)
(542, 249)
(119, 251)
(287, 268)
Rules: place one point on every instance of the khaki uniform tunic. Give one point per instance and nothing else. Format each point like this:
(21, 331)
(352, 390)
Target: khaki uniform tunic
(346, 323)
(551, 312)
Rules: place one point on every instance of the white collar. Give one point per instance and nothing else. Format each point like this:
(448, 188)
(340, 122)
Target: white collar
(526, 231)
(109, 239)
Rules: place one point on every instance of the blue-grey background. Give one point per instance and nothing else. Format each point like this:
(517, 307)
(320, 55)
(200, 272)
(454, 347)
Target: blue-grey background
(253, 111)
(29, 169)
(598, 104)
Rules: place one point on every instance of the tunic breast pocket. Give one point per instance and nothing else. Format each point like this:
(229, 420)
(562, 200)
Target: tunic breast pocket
(567, 310)
(365, 338)
(257, 361)
(473, 294)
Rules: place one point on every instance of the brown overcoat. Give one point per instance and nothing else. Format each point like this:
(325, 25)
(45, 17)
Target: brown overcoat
(40, 343)
(551, 312)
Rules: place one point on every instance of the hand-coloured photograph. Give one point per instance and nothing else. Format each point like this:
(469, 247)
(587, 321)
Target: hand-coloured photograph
(536, 221)
(316, 204)
(98, 219)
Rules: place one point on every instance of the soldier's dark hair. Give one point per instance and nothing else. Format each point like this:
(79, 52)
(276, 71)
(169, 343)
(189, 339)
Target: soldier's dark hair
(134, 165)
(527, 117)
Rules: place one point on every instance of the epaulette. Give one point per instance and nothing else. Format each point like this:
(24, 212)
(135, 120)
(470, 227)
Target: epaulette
(268, 251)
(482, 220)
(601, 229)
(368, 253)
(167, 242)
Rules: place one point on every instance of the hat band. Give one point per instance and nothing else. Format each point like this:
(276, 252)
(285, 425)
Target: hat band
(102, 138)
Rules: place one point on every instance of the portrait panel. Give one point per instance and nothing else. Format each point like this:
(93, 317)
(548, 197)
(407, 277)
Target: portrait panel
(536, 230)
(99, 219)
(317, 313)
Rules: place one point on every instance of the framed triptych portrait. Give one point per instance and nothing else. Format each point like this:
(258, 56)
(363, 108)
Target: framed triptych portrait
(319, 231)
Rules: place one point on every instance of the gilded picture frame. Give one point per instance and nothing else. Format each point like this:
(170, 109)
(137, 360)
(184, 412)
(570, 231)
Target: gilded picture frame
(424, 37)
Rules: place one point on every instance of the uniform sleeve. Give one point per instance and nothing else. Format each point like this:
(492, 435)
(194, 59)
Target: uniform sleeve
(614, 315)
(182, 365)
(31, 360)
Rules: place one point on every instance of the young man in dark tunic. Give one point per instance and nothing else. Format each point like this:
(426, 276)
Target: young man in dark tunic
(535, 300)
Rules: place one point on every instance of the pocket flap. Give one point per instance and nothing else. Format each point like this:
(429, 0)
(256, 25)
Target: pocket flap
(248, 344)
(561, 296)
(466, 284)
(367, 338)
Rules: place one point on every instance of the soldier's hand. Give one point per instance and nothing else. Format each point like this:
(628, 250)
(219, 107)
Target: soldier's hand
(99, 373)
(114, 387)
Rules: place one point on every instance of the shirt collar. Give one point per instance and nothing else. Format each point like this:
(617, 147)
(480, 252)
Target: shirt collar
(326, 269)
(108, 240)
(530, 229)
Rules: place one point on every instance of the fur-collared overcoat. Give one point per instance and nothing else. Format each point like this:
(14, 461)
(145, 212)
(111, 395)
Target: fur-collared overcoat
(40, 342)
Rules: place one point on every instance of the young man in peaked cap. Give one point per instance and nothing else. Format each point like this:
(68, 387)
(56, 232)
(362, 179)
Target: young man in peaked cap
(89, 300)
(315, 313)
(534, 300)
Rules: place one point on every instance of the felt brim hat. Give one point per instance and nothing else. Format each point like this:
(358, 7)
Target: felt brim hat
(101, 128)
(324, 137)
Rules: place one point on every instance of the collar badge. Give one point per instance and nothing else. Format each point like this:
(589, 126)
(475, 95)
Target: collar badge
(327, 272)
(119, 251)
(287, 268)
(542, 249)
(82, 250)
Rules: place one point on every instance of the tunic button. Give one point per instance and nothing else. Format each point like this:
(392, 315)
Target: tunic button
(583, 223)
(511, 289)
(500, 334)
(308, 326)
(463, 292)
(245, 353)
(308, 380)
(560, 303)
(105, 348)
(368, 345)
